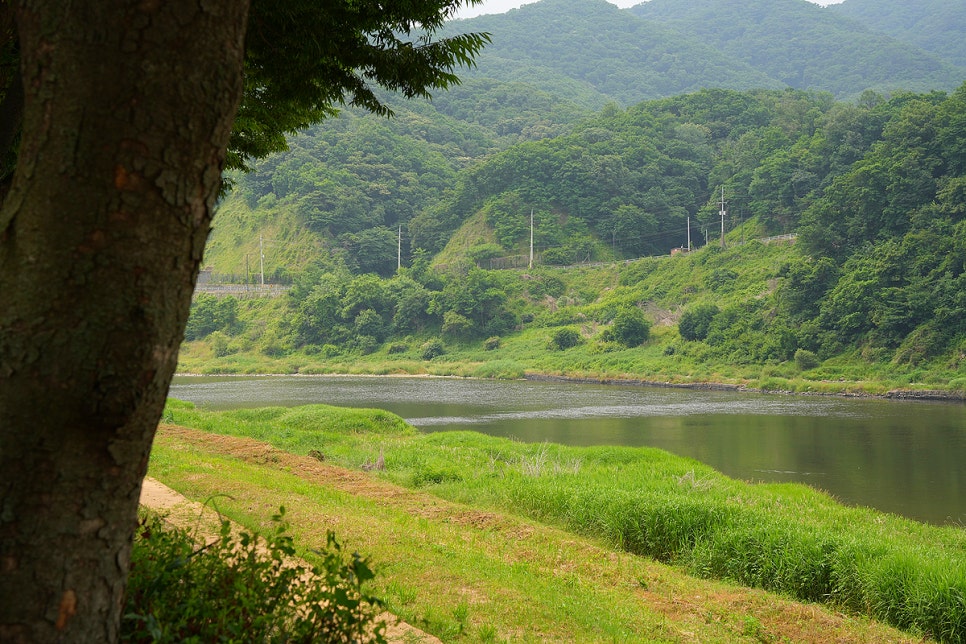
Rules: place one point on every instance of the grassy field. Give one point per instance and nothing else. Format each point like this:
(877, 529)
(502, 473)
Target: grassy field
(483, 539)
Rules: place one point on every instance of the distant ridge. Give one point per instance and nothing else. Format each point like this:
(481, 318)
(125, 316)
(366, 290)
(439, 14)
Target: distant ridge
(594, 52)
(936, 26)
(806, 46)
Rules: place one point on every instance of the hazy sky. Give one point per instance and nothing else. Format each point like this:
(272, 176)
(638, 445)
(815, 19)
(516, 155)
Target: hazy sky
(500, 6)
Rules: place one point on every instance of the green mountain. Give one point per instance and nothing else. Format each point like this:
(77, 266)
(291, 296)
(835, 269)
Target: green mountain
(592, 52)
(347, 185)
(874, 286)
(936, 26)
(806, 46)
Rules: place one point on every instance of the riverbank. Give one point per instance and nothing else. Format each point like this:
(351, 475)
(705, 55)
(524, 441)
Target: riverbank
(897, 394)
(639, 502)
(466, 573)
(196, 360)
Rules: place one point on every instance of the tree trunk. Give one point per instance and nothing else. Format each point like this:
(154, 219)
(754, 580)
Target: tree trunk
(127, 112)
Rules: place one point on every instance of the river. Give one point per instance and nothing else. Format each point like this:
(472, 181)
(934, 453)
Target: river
(903, 457)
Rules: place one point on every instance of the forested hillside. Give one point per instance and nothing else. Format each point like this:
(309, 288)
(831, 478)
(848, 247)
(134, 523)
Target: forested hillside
(872, 185)
(803, 45)
(595, 52)
(348, 185)
(874, 190)
(936, 26)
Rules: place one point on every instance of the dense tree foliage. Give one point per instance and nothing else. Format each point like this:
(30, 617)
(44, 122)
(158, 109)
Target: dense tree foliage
(695, 323)
(623, 183)
(873, 185)
(874, 190)
(803, 45)
(630, 179)
(935, 26)
(594, 52)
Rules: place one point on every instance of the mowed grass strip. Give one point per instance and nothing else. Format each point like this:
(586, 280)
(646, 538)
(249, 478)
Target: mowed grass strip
(464, 573)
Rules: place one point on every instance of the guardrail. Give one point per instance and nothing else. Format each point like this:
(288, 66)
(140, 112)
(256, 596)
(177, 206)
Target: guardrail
(243, 290)
(778, 238)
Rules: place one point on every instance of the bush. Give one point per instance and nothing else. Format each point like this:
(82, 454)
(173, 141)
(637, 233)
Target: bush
(565, 338)
(492, 343)
(696, 322)
(219, 344)
(456, 325)
(806, 359)
(329, 351)
(244, 588)
(433, 349)
(631, 328)
(558, 257)
(365, 344)
(397, 347)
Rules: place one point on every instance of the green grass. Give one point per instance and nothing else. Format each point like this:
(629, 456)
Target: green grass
(784, 538)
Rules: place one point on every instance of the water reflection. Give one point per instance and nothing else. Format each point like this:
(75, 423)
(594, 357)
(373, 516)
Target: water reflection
(901, 457)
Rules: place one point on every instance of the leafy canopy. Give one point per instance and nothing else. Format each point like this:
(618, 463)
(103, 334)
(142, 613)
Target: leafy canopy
(303, 60)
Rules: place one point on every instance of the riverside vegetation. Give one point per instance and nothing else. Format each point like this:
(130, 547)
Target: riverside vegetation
(868, 298)
(715, 315)
(784, 538)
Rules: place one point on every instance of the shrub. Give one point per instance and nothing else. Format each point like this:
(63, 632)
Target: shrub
(365, 344)
(329, 351)
(433, 349)
(604, 345)
(492, 343)
(272, 344)
(219, 344)
(631, 328)
(554, 286)
(565, 338)
(806, 359)
(244, 588)
(397, 347)
(456, 325)
(721, 278)
(480, 253)
(558, 257)
(696, 322)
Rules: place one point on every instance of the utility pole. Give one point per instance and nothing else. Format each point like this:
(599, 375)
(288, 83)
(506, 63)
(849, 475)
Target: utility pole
(689, 234)
(531, 238)
(741, 224)
(261, 258)
(722, 213)
(399, 250)
(248, 274)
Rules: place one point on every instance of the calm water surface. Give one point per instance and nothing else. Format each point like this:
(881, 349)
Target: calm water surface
(898, 456)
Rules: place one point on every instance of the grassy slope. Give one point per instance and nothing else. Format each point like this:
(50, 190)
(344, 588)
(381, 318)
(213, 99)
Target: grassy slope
(464, 573)
(471, 498)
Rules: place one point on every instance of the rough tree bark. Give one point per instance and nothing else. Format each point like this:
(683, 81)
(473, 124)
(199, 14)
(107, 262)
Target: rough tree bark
(128, 109)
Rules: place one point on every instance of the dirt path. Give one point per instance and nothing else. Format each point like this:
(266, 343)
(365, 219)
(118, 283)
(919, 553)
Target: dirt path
(186, 513)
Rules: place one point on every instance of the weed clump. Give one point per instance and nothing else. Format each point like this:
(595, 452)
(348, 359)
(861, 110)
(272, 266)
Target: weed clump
(244, 587)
